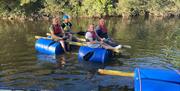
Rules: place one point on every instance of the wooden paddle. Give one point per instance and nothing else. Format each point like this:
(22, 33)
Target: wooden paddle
(116, 73)
(70, 42)
(37, 37)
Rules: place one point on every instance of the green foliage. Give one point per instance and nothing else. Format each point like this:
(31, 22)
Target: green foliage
(97, 7)
(91, 8)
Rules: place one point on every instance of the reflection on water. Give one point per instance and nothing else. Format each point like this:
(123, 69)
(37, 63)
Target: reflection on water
(155, 43)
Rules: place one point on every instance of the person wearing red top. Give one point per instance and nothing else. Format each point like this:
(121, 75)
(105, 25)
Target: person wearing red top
(57, 32)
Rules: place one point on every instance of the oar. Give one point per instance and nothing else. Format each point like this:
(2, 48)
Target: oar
(70, 42)
(77, 43)
(85, 44)
(126, 46)
(38, 37)
(116, 73)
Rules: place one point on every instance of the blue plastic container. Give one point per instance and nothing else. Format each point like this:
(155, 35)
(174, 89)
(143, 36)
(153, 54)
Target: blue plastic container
(156, 80)
(94, 54)
(47, 46)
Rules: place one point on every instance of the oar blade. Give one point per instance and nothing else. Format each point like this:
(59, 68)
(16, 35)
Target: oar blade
(126, 46)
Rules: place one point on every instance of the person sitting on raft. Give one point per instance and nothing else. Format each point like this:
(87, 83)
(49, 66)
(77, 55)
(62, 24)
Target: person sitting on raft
(57, 32)
(67, 26)
(92, 39)
(101, 32)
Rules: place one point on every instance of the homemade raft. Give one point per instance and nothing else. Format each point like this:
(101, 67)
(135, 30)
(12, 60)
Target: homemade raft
(150, 79)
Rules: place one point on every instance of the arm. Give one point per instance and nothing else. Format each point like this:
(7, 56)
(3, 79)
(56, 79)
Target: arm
(96, 32)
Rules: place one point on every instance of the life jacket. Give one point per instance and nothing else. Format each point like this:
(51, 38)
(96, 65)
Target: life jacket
(103, 28)
(67, 26)
(57, 29)
(94, 37)
(102, 32)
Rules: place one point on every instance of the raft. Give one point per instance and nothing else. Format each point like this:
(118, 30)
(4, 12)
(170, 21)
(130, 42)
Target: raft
(94, 54)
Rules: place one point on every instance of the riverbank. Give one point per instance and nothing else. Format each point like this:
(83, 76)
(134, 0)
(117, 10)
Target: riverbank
(38, 17)
(45, 9)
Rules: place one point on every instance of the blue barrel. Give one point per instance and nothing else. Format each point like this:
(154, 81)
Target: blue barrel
(94, 54)
(47, 46)
(156, 80)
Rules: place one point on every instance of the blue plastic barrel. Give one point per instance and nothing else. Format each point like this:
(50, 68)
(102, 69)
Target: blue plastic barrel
(47, 46)
(156, 80)
(94, 54)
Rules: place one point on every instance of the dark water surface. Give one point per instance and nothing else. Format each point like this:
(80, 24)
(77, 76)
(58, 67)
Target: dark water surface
(155, 44)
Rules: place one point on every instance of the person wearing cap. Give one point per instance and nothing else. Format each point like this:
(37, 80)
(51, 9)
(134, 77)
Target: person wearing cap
(57, 32)
(102, 33)
(67, 25)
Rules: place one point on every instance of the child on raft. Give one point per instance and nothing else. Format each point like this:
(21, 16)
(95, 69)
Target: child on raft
(67, 26)
(57, 32)
(92, 39)
(101, 32)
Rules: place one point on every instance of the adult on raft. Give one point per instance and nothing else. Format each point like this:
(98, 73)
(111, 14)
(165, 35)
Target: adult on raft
(57, 32)
(102, 33)
(92, 39)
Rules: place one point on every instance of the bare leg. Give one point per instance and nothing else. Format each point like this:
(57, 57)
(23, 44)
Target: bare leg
(63, 45)
(106, 46)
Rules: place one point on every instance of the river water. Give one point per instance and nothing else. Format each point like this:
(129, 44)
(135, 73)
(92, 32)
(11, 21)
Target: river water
(155, 44)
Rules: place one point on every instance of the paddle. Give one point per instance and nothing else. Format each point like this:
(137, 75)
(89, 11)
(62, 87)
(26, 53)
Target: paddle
(37, 37)
(115, 73)
(110, 42)
(70, 42)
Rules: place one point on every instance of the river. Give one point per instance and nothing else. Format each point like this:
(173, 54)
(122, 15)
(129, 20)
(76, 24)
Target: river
(155, 44)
